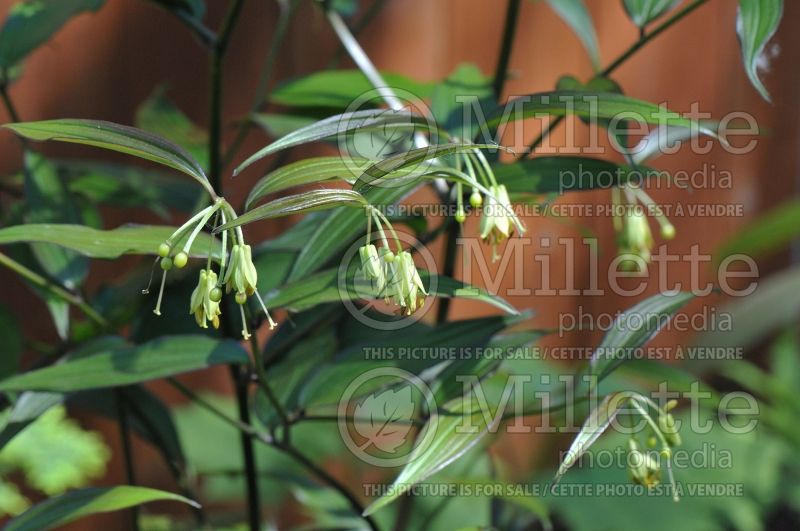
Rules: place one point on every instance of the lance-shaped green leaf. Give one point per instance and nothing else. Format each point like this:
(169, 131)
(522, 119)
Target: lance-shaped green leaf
(385, 169)
(577, 17)
(30, 24)
(593, 105)
(444, 439)
(159, 116)
(192, 8)
(308, 171)
(77, 504)
(311, 201)
(756, 24)
(48, 201)
(633, 328)
(123, 365)
(593, 427)
(544, 175)
(339, 88)
(643, 12)
(771, 232)
(115, 137)
(128, 239)
(338, 230)
(774, 305)
(339, 125)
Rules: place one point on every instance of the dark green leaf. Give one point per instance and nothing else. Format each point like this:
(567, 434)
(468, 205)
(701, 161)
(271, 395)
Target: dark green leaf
(307, 171)
(193, 8)
(466, 85)
(339, 125)
(48, 201)
(31, 23)
(773, 231)
(313, 200)
(69, 507)
(159, 116)
(128, 239)
(633, 328)
(278, 125)
(129, 186)
(442, 441)
(757, 22)
(337, 231)
(544, 175)
(12, 342)
(339, 88)
(575, 14)
(643, 12)
(124, 365)
(772, 306)
(386, 168)
(596, 105)
(27, 408)
(115, 137)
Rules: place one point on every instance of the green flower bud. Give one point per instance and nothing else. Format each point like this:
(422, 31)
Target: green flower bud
(642, 467)
(241, 275)
(166, 263)
(201, 304)
(164, 250)
(460, 216)
(241, 297)
(668, 427)
(668, 231)
(475, 199)
(636, 237)
(180, 260)
(215, 295)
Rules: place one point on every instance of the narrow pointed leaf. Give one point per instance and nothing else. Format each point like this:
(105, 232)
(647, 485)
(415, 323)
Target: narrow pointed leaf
(30, 24)
(339, 88)
(633, 328)
(594, 105)
(338, 230)
(114, 137)
(337, 125)
(575, 14)
(386, 168)
(123, 365)
(756, 24)
(310, 201)
(128, 239)
(448, 441)
(544, 175)
(596, 423)
(643, 12)
(61, 510)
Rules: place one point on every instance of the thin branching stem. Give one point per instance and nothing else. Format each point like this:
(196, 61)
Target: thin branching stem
(506, 45)
(40, 281)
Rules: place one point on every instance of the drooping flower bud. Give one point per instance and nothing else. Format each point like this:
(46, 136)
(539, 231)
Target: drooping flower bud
(411, 291)
(202, 304)
(668, 427)
(241, 275)
(372, 267)
(636, 237)
(498, 220)
(642, 467)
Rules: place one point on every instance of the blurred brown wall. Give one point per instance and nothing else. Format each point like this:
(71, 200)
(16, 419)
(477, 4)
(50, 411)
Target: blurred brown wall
(104, 65)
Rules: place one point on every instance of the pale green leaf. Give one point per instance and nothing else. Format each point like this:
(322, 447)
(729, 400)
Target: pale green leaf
(643, 12)
(756, 24)
(80, 503)
(575, 14)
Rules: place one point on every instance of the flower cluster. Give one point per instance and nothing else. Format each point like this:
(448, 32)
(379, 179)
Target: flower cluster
(643, 467)
(634, 237)
(499, 221)
(237, 273)
(391, 276)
